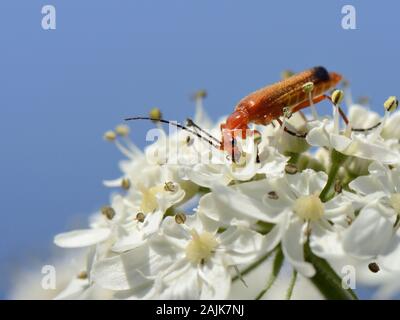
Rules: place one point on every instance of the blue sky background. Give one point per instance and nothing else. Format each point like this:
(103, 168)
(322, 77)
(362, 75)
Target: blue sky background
(61, 89)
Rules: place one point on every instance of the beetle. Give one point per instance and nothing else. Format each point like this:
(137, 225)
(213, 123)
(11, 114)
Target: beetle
(269, 103)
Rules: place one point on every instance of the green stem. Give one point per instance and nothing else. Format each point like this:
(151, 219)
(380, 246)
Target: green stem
(337, 161)
(326, 279)
(291, 285)
(277, 266)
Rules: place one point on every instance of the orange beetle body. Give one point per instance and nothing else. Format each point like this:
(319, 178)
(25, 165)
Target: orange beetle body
(267, 104)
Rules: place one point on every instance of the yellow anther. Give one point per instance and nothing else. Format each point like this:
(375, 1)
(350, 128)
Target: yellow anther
(286, 74)
(108, 212)
(200, 94)
(110, 135)
(140, 217)
(391, 103)
(180, 218)
(155, 114)
(122, 130)
(125, 183)
(308, 87)
(170, 186)
(337, 96)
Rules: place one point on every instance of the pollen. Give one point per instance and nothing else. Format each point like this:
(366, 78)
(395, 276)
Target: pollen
(149, 198)
(395, 202)
(309, 207)
(201, 247)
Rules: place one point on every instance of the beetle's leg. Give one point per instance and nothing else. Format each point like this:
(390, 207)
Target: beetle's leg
(298, 135)
(315, 100)
(255, 134)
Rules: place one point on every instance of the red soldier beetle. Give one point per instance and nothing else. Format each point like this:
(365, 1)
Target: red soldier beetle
(269, 103)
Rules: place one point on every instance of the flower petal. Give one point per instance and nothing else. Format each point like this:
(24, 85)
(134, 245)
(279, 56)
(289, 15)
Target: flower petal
(369, 234)
(293, 249)
(81, 238)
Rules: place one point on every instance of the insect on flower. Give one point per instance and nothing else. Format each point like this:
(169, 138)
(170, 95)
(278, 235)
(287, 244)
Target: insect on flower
(267, 104)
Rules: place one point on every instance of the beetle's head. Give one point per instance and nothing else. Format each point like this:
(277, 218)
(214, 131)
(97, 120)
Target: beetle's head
(234, 127)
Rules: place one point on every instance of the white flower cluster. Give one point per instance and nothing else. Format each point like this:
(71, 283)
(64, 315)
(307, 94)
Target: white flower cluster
(187, 222)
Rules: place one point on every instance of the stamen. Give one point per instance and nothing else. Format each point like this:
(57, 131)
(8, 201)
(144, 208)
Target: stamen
(140, 217)
(180, 218)
(82, 275)
(391, 104)
(338, 186)
(336, 98)
(110, 136)
(286, 74)
(308, 88)
(155, 114)
(200, 94)
(273, 195)
(122, 130)
(170, 186)
(291, 168)
(125, 184)
(108, 212)
(373, 267)
(287, 113)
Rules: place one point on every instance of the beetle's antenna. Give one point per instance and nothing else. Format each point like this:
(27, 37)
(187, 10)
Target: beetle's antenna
(366, 129)
(190, 123)
(210, 142)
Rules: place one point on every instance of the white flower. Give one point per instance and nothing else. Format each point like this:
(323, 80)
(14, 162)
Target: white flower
(291, 203)
(117, 227)
(365, 145)
(184, 261)
(374, 234)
